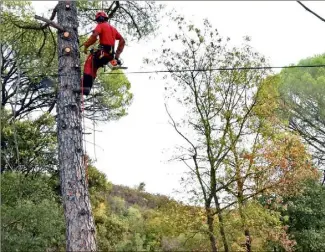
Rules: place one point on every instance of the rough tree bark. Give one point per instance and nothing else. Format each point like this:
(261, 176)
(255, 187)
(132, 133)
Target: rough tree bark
(241, 203)
(80, 229)
(210, 220)
(221, 224)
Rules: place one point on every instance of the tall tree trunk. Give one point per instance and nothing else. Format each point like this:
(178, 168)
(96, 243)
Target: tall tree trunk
(80, 229)
(221, 224)
(212, 237)
(240, 199)
(248, 239)
(248, 242)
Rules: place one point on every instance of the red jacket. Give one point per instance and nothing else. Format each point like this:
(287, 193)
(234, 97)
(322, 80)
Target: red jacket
(107, 36)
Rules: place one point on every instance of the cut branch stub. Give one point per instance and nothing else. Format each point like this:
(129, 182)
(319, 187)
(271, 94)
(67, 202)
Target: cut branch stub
(67, 50)
(67, 5)
(66, 34)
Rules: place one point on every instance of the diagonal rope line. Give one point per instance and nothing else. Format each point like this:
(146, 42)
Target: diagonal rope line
(93, 100)
(307, 9)
(218, 69)
(202, 70)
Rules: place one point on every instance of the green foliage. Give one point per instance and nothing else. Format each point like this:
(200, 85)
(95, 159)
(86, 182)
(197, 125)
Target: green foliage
(234, 137)
(26, 43)
(116, 96)
(305, 216)
(265, 228)
(301, 92)
(177, 227)
(98, 186)
(32, 52)
(134, 238)
(110, 228)
(28, 56)
(97, 180)
(235, 103)
(220, 122)
(31, 217)
(142, 199)
(35, 141)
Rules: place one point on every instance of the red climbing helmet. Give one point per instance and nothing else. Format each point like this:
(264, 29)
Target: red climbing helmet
(101, 16)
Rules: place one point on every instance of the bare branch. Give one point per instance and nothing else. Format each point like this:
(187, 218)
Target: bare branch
(54, 12)
(110, 7)
(54, 48)
(117, 5)
(50, 22)
(133, 21)
(177, 130)
(33, 27)
(43, 43)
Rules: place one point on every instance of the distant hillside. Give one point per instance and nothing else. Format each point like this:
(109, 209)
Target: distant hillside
(140, 198)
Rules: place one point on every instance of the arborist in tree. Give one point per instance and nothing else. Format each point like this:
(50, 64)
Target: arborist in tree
(105, 55)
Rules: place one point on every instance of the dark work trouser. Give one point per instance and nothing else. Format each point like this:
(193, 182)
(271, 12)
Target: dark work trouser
(94, 61)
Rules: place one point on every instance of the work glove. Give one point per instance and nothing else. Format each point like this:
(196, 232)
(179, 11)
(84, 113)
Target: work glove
(117, 60)
(92, 39)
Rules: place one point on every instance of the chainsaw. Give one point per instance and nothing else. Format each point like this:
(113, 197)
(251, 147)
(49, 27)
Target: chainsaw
(113, 64)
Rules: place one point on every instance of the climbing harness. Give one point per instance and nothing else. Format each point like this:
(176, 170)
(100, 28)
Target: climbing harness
(85, 158)
(112, 64)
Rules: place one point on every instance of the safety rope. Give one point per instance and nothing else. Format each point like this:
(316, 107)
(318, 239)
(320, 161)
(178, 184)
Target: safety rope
(94, 139)
(83, 117)
(93, 100)
(84, 124)
(82, 104)
(85, 163)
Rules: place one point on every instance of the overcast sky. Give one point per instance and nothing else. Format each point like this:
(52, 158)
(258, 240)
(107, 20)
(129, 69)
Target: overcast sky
(136, 148)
